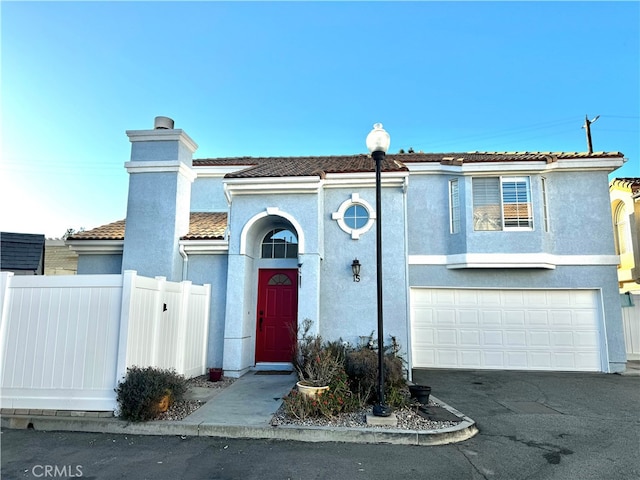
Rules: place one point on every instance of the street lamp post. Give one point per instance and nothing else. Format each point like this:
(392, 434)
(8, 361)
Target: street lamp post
(378, 142)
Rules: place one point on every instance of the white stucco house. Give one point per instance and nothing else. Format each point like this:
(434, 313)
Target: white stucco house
(490, 260)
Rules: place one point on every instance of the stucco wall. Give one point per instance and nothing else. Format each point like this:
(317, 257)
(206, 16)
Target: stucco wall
(212, 269)
(99, 264)
(577, 203)
(348, 309)
(207, 195)
(157, 215)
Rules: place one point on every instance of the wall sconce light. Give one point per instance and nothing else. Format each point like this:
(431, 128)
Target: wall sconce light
(355, 268)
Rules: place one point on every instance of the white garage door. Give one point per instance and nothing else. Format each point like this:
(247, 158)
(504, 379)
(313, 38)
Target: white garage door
(505, 329)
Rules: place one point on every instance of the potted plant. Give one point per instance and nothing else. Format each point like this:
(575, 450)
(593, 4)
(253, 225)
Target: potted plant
(215, 374)
(315, 364)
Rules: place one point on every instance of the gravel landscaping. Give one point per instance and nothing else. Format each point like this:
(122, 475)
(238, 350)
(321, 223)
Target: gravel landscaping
(408, 417)
(183, 408)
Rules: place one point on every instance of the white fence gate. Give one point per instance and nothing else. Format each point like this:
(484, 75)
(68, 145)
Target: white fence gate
(66, 341)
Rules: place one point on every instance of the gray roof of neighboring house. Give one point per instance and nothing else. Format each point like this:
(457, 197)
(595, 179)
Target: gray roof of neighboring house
(21, 251)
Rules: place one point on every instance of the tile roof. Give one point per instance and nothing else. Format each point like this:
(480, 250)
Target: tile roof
(211, 226)
(301, 166)
(206, 226)
(110, 231)
(202, 226)
(632, 183)
(320, 166)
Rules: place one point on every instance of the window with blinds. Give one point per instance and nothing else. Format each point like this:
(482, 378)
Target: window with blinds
(502, 203)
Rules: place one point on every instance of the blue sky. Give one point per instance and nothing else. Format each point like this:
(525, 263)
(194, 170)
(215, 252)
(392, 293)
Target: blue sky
(298, 78)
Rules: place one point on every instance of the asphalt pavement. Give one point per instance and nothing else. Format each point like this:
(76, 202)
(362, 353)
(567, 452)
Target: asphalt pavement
(532, 426)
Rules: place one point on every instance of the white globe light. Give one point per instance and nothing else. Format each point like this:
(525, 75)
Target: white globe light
(378, 139)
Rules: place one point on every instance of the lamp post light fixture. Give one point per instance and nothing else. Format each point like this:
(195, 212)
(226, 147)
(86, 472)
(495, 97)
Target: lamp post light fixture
(355, 268)
(378, 142)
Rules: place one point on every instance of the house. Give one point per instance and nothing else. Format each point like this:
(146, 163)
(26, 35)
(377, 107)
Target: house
(487, 263)
(625, 210)
(22, 253)
(60, 260)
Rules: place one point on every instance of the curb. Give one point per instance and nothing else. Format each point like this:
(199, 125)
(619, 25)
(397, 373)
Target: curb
(463, 431)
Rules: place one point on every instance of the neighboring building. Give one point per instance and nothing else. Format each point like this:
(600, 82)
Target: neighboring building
(22, 253)
(625, 210)
(60, 260)
(487, 263)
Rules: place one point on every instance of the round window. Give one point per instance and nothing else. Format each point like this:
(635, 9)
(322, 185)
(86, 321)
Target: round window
(356, 216)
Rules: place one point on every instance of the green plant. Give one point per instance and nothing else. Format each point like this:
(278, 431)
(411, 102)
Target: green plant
(140, 392)
(339, 398)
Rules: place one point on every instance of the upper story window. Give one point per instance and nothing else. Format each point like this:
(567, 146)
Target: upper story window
(502, 203)
(355, 216)
(454, 206)
(280, 243)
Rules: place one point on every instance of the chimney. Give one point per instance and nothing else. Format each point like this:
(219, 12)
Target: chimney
(159, 201)
(163, 123)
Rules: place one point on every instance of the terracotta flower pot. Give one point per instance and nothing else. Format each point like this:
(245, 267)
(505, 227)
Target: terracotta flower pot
(310, 391)
(215, 374)
(164, 403)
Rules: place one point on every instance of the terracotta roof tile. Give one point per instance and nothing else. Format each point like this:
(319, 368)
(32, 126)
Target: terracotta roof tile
(632, 183)
(320, 166)
(110, 231)
(202, 226)
(301, 166)
(206, 226)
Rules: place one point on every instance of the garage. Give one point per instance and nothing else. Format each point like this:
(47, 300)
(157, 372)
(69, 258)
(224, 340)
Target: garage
(505, 329)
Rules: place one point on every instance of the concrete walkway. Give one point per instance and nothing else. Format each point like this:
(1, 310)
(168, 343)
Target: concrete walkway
(244, 410)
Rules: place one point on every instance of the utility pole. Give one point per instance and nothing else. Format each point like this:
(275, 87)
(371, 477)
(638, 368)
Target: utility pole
(587, 127)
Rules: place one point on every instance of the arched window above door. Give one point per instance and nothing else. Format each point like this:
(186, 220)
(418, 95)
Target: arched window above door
(279, 279)
(280, 243)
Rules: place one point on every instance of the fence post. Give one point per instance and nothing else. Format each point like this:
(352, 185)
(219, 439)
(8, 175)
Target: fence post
(159, 326)
(128, 284)
(183, 325)
(5, 283)
(207, 320)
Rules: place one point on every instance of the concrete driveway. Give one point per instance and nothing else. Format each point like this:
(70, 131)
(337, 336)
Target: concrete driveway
(546, 425)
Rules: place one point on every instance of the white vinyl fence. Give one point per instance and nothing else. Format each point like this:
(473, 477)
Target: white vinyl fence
(631, 322)
(66, 341)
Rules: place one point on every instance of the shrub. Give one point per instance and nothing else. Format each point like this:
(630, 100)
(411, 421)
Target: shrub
(339, 398)
(315, 363)
(140, 392)
(362, 368)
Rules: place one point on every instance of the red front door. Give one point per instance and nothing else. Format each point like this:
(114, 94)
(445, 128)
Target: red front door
(276, 314)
